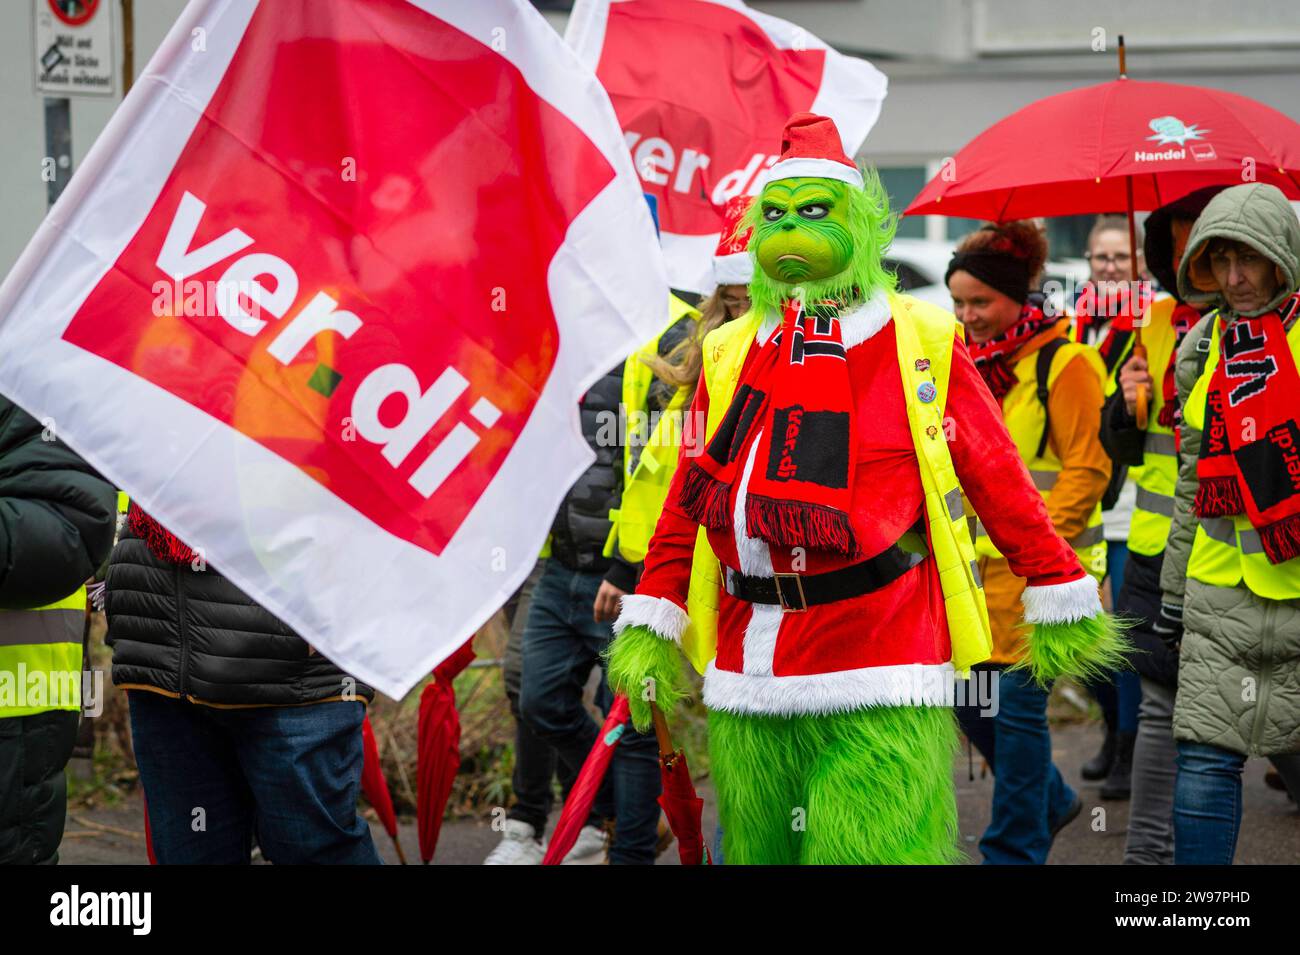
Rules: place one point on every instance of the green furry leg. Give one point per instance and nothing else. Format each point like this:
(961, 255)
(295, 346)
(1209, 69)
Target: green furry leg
(881, 793)
(645, 668)
(758, 764)
(873, 786)
(1085, 650)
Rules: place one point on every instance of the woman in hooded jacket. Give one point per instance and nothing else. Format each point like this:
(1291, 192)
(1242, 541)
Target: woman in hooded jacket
(1231, 574)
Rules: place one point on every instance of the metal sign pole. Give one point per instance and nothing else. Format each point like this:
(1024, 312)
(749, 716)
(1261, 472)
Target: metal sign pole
(58, 145)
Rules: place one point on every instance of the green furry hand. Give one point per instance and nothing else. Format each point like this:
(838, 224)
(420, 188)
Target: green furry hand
(1085, 650)
(645, 668)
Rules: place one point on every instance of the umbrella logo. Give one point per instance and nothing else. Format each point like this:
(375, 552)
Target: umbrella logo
(1170, 129)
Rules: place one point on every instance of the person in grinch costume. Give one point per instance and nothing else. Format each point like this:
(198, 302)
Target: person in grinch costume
(843, 424)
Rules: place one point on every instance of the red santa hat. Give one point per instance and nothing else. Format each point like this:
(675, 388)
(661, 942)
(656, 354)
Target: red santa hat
(732, 264)
(811, 147)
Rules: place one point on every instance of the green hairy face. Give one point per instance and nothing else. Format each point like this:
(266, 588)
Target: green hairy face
(803, 232)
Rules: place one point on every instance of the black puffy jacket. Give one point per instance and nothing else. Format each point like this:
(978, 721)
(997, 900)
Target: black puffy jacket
(192, 633)
(56, 527)
(582, 523)
(56, 514)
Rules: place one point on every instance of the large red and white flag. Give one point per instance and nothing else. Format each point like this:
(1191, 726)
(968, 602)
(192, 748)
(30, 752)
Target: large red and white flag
(703, 89)
(323, 299)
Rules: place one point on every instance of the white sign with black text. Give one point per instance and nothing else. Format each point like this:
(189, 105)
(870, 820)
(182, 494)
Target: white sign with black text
(74, 47)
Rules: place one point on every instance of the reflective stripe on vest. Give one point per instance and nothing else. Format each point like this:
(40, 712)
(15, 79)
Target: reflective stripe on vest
(1162, 504)
(1227, 550)
(1155, 479)
(1159, 444)
(1024, 416)
(40, 657)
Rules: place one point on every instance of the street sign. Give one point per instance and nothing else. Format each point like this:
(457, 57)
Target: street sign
(74, 47)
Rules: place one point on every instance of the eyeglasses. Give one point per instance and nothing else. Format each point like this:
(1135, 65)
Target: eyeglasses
(1122, 258)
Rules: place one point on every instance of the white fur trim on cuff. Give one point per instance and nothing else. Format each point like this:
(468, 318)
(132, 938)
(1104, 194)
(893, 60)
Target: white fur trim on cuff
(810, 168)
(1063, 603)
(734, 269)
(659, 614)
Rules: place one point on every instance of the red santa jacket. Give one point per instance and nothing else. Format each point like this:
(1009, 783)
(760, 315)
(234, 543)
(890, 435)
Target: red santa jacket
(889, 646)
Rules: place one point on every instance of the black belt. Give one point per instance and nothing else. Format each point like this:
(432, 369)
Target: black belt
(795, 592)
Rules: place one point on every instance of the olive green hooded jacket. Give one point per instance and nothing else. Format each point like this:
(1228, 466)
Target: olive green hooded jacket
(1239, 672)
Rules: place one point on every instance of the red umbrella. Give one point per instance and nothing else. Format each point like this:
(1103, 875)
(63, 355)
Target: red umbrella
(578, 806)
(439, 747)
(1126, 144)
(1080, 151)
(375, 787)
(683, 807)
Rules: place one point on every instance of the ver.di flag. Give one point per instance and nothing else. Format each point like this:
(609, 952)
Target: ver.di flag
(702, 89)
(323, 299)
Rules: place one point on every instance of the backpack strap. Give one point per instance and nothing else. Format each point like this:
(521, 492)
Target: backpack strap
(1043, 371)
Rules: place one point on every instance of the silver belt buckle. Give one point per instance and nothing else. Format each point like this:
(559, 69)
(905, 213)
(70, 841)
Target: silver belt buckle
(787, 604)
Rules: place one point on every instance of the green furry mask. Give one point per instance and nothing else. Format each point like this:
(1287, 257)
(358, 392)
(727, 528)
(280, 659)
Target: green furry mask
(819, 239)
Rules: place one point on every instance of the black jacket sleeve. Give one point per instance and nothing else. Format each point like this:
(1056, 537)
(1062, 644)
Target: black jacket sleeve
(1120, 436)
(57, 516)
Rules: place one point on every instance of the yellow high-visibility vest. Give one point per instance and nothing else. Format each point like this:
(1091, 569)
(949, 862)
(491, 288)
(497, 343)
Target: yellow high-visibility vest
(40, 657)
(1227, 550)
(1155, 479)
(658, 436)
(1025, 417)
(921, 331)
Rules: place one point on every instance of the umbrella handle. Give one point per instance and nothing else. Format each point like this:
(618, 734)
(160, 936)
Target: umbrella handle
(661, 731)
(1140, 351)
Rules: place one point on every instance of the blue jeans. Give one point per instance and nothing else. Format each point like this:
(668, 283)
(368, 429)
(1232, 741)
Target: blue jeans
(1029, 795)
(214, 778)
(1116, 558)
(1207, 804)
(561, 643)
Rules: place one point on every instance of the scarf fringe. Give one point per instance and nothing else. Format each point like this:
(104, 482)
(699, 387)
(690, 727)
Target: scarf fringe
(1218, 497)
(1281, 539)
(704, 498)
(800, 524)
(161, 542)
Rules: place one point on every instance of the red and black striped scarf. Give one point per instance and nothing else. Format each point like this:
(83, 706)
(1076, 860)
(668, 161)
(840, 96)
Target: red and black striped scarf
(1183, 317)
(1250, 445)
(795, 400)
(993, 357)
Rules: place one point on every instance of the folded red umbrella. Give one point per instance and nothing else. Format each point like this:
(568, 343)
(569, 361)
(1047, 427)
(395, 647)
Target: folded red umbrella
(375, 787)
(578, 806)
(438, 747)
(683, 807)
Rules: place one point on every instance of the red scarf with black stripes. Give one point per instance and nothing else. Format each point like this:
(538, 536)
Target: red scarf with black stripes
(795, 401)
(1250, 445)
(993, 357)
(1183, 317)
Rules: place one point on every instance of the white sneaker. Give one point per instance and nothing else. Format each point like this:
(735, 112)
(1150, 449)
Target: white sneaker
(518, 846)
(589, 849)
